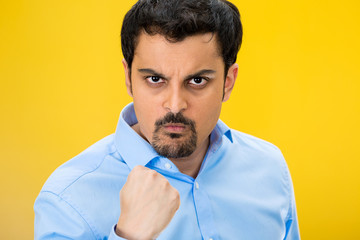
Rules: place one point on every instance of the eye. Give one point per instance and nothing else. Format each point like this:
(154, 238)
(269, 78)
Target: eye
(198, 81)
(154, 79)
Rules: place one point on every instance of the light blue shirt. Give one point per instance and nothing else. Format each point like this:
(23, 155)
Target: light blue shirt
(243, 189)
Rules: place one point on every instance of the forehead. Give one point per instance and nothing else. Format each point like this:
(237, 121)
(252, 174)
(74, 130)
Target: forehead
(197, 49)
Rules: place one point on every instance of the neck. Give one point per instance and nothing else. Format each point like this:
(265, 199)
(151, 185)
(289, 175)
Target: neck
(191, 165)
(188, 165)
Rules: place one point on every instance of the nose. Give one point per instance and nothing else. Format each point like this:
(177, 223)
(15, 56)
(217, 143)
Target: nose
(175, 99)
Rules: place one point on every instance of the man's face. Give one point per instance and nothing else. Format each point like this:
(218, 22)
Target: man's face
(177, 90)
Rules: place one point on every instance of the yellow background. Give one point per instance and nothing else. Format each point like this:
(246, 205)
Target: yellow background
(62, 89)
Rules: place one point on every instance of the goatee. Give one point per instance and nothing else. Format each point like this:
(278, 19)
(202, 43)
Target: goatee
(180, 145)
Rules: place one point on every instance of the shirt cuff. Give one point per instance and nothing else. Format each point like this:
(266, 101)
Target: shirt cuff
(113, 235)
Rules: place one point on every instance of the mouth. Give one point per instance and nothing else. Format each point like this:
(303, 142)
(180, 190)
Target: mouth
(175, 127)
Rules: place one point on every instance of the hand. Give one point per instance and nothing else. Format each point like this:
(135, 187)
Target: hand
(148, 203)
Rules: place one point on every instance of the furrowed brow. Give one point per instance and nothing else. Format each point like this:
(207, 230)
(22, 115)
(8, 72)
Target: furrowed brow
(201, 72)
(152, 72)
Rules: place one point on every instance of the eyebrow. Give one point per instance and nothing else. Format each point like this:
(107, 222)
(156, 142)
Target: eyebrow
(199, 73)
(152, 72)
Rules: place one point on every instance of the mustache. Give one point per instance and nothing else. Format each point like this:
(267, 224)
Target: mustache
(175, 118)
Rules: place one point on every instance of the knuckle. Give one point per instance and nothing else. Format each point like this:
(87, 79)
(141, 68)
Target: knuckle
(165, 184)
(137, 168)
(175, 199)
(153, 174)
(134, 171)
(176, 194)
(137, 171)
(173, 192)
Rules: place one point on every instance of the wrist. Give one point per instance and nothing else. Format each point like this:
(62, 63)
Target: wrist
(131, 235)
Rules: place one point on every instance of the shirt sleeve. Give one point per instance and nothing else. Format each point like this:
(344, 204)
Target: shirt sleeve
(114, 236)
(292, 225)
(56, 219)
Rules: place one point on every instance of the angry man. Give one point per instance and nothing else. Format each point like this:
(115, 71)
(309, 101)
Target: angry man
(173, 170)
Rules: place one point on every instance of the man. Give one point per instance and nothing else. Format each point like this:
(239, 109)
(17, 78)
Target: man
(180, 171)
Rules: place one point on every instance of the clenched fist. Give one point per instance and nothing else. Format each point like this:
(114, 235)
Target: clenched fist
(148, 203)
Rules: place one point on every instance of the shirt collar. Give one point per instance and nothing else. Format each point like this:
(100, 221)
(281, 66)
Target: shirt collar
(134, 150)
(222, 129)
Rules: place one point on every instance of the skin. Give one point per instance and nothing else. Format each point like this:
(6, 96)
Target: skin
(176, 92)
(186, 77)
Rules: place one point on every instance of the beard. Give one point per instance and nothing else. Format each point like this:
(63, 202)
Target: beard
(174, 145)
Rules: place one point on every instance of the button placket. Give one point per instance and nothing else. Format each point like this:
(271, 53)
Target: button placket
(204, 212)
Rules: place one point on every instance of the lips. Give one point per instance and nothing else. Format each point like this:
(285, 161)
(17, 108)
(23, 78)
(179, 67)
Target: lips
(175, 127)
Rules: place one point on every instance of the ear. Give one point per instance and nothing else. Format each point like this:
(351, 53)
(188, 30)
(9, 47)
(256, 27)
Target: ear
(230, 81)
(127, 77)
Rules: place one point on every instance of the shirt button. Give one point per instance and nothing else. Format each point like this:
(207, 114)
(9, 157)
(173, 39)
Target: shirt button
(167, 165)
(197, 185)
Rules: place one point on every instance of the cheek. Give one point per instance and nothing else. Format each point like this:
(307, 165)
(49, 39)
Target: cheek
(147, 112)
(207, 117)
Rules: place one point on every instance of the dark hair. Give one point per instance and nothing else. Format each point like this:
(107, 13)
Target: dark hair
(178, 19)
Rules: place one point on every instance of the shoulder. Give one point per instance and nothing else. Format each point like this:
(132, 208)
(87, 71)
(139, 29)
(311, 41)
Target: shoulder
(88, 161)
(247, 141)
(260, 154)
(81, 188)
